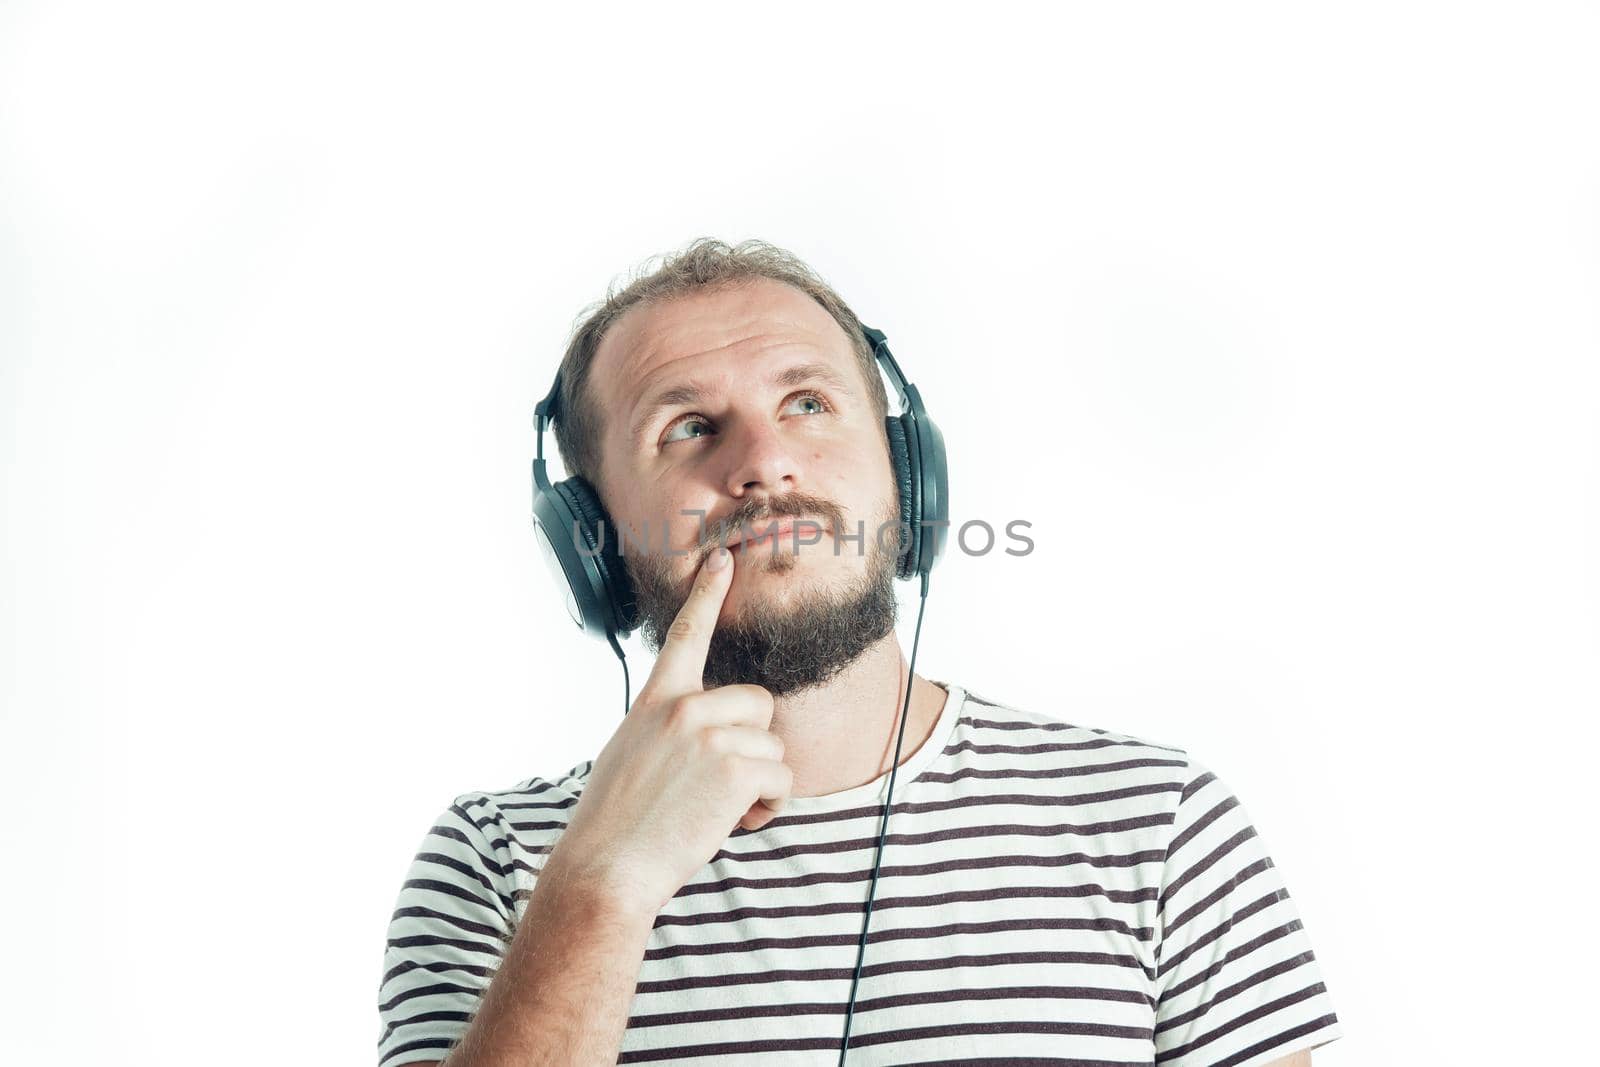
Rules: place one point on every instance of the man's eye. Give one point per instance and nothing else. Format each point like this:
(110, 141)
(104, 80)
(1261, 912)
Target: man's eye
(684, 428)
(692, 421)
(815, 399)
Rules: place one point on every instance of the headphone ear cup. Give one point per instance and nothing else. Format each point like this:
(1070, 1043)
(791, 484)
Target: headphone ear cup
(905, 481)
(601, 538)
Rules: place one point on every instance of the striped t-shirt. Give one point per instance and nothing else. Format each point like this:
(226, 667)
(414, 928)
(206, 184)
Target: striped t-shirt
(1049, 893)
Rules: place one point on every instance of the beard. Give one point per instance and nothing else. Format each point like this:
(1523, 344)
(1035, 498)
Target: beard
(803, 642)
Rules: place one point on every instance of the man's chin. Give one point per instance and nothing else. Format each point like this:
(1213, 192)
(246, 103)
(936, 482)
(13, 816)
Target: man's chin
(784, 634)
(782, 589)
(822, 571)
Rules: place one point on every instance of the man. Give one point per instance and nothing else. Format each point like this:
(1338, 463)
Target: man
(1048, 893)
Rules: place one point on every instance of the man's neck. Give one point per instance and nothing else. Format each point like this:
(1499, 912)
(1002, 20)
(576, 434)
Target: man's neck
(842, 734)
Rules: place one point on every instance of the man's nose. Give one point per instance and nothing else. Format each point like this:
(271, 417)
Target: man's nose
(762, 460)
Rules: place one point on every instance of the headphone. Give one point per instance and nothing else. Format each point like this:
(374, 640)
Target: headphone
(600, 596)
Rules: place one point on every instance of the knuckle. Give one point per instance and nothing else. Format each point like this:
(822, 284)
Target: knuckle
(683, 627)
(714, 739)
(682, 713)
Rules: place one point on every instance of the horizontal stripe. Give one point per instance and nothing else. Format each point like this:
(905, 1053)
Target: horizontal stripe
(1227, 961)
(1219, 931)
(1229, 992)
(863, 1006)
(1210, 860)
(825, 974)
(1278, 1040)
(1244, 1019)
(428, 1017)
(1227, 889)
(745, 945)
(436, 968)
(886, 904)
(394, 1052)
(755, 1048)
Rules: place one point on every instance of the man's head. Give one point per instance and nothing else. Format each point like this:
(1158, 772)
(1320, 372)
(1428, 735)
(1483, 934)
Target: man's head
(733, 382)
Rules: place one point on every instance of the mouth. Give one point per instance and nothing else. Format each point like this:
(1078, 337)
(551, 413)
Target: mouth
(761, 537)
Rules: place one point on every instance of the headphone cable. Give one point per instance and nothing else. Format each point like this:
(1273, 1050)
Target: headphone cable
(883, 826)
(627, 701)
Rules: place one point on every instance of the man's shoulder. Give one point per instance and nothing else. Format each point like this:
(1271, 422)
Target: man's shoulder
(1033, 766)
(1061, 731)
(532, 808)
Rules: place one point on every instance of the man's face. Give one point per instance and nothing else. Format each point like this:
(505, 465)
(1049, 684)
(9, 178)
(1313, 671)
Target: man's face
(748, 404)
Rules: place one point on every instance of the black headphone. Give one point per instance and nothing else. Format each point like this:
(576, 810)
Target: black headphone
(599, 592)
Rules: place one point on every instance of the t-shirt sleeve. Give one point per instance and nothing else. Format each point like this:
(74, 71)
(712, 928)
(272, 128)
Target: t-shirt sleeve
(1237, 984)
(451, 924)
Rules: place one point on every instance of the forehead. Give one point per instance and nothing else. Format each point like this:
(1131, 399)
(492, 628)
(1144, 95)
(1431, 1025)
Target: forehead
(650, 341)
(710, 338)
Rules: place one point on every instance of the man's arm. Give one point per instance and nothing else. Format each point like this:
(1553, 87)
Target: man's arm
(562, 992)
(1298, 1059)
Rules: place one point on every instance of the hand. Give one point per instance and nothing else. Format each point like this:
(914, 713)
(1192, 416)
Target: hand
(686, 767)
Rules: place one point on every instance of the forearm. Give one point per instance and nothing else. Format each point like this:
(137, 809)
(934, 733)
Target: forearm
(565, 983)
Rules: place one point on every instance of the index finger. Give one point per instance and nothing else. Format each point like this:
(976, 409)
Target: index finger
(681, 665)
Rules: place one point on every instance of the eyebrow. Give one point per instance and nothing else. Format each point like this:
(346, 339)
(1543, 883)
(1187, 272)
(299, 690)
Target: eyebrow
(691, 393)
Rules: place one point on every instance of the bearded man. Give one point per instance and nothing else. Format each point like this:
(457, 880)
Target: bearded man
(1055, 892)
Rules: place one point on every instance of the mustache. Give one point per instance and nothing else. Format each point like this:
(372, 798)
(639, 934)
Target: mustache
(754, 515)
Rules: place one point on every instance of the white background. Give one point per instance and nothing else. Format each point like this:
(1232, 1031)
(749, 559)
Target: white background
(1278, 324)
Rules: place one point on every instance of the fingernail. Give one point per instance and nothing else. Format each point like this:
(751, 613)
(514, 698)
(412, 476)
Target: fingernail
(719, 559)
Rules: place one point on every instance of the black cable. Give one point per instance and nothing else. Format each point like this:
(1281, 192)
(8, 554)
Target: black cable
(883, 828)
(626, 700)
